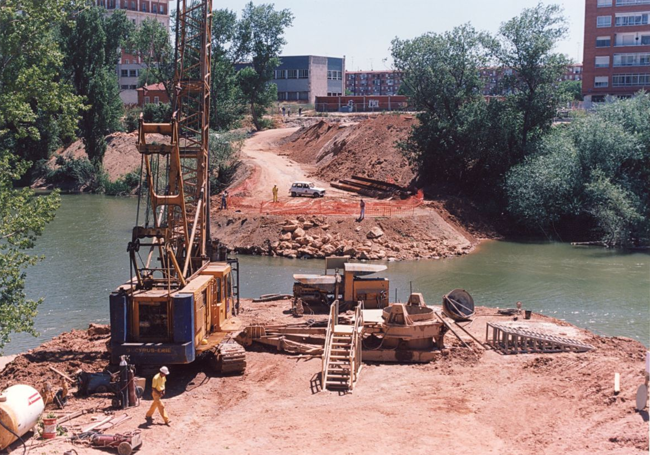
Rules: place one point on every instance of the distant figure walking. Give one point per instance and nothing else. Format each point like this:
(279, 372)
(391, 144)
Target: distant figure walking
(362, 206)
(283, 111)
(224, 200)
(289, 112)
(275, 193)
(300, 112)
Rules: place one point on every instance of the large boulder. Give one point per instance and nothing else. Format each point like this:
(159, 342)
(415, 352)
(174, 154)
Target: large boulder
(328, 249)
(285, 236)
(375, 233)
(298, 232)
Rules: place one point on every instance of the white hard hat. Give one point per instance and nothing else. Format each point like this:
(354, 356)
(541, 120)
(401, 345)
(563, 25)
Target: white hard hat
(164, 370)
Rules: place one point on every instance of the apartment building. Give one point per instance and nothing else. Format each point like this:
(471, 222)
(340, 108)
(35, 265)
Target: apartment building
(129, 67)
(365, 83)
(616, 49)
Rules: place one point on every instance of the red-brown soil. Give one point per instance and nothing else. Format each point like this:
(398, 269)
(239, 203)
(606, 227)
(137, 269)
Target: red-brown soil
(466, 401)
(343, 149)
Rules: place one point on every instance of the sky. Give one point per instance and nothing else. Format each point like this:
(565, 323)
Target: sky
(362, 30)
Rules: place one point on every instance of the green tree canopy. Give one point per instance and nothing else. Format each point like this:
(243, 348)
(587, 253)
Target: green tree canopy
(150, 42)
(261, 39)
(228, 105)
(38, 108)
(91, 61)
(594, 171)
(441, 74)
(524, 50)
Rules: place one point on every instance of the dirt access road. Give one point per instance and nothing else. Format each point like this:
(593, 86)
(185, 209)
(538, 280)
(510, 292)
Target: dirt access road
(253, 224)
(271, 168)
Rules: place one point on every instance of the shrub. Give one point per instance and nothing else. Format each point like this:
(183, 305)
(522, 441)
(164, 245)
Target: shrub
(131, 119)
(78, 173)
(224, 159)
(157, 113)
(123, 186)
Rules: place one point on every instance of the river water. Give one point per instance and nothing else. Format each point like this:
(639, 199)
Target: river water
(605, 291)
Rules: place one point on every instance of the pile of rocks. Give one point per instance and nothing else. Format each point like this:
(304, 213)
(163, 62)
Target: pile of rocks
(315, 238)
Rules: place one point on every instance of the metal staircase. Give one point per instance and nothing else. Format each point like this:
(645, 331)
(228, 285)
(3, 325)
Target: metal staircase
(342, 352)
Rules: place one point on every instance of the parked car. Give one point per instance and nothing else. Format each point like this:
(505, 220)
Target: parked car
(306, 189)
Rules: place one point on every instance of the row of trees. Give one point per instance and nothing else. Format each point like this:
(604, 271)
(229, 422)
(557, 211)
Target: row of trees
(506, 153)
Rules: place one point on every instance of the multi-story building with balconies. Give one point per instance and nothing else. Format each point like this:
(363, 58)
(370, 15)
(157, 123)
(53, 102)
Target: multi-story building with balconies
(616, 49)
(364, 83)
(129, 67)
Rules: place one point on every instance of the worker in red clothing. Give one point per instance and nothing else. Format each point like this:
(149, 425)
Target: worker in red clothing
(157, 392)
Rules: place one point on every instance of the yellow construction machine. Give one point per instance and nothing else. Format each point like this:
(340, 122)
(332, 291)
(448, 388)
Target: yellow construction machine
(180, 301)
(349, 284)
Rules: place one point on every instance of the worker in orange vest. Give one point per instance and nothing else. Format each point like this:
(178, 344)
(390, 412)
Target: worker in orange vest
(157, 392)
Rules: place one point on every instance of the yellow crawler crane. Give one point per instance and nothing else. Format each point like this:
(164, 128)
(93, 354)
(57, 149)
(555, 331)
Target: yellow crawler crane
(180, 300)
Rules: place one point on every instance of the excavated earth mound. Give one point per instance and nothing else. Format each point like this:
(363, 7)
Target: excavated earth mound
(367, 148)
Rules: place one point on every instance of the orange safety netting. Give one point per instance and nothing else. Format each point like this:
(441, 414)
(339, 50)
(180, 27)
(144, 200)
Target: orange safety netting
(327, 206)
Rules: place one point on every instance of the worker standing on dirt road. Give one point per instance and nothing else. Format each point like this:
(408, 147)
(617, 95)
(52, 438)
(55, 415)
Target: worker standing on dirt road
(157, 392)
(275, 193)
(362, 206)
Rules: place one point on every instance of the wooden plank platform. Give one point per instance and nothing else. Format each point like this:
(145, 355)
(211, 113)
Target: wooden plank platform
(516, 340)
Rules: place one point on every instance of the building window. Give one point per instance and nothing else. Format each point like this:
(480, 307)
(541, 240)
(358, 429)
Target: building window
(628, 80)
(133, 73)
(632, 2)
(132, 87)
(640, 59)
(124, 87)
(602, 62)
(334, 75)
(624, 20)
(156, 100)
(292, 74)
(143, 7)
(162, 9)
(124, 73)
(133, 6)
(303, 74)
(603, 41)
(601, 81)
(604, 3)
(604, 21)
(147, 100)
(154, 8)
(280, 74)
